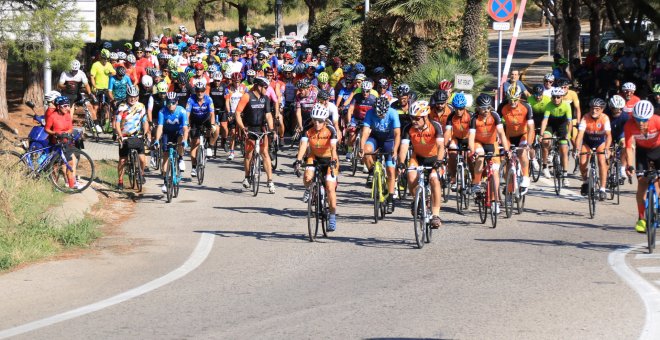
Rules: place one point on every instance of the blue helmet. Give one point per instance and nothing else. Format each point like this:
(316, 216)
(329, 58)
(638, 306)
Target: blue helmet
(459, 101)
(62, 100)
(346, 68)
(359, 68)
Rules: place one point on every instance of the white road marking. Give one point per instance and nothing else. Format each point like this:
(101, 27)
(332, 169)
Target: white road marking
(649, 270)
(647, 256)
(197, 257)
(649, 293)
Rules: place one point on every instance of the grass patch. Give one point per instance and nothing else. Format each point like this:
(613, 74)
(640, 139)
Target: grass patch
(106, 172)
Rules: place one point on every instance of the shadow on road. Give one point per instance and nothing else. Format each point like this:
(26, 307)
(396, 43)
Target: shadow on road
(587, 245)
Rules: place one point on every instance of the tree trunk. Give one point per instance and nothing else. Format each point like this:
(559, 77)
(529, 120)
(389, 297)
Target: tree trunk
(169, 15)
(4, 110)
(421, 48)
(151, 22)
(99, 26)
(595, 21)
(542, 23)
(242, 19)
(199, 16)
(141, 25)
(572, 28)
(311, 8)
(471, 28)
(34, 90)
(225, 9)
(279, 18)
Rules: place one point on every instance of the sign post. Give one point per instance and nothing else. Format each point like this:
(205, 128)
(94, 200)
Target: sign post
(500, 11)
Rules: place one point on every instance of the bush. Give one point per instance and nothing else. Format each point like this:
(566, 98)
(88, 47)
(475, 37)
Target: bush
(442, 65)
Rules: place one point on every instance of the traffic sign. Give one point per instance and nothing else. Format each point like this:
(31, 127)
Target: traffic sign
(463, 82)
(501, 10)
(501, 26)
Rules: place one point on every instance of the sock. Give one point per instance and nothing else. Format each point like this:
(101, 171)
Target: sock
(640, 211)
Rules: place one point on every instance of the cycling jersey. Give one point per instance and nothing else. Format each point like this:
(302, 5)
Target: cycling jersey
(630, 103)
(424, 141)
(72, 82)
(330, 90)
(359, 90)
(382, 128)
(306, 105)
(516, 119)
(344, 94)
(234, 95)
(147, 99)
(158, 104)
(441, 117)
(253, 110)
(119, 87)
(459, 125)
(217, 94)
(572, 98)
(538, 106)
(320, 142)
(131, 118)
(336, 76)
(172, 121)
(485, 128)
(648, 140)
(289, 93)
(101, 74)
(554, 111)
(362, 104)
(199, 112)
(595, 130)
(617, 124)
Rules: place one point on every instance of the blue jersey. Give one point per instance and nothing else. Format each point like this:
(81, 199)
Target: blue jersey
(382, 128)
(344, 93)
(199, 113)
(617, 124)
(119, 87)
(172, 122)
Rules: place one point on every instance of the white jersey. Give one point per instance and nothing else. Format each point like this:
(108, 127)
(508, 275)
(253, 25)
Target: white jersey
(334, 113)
(72, 82)
(235, 66)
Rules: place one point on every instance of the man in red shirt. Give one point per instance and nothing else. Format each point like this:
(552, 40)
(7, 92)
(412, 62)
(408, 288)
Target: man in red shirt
(143, 62)
(628, 93)
(61, 123)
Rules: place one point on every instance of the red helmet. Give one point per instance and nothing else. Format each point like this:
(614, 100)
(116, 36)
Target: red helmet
(236, 76)
(199, 66)
(445, 85)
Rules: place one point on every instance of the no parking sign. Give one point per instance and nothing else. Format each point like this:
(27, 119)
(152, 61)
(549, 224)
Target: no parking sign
(501, 10)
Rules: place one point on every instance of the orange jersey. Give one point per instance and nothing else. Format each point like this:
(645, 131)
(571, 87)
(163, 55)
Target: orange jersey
(441, 117)
(516, 120)
(424, 142)
(595, 130)
(321, 142)
(459, 126)
(485, 128)
(648, 140)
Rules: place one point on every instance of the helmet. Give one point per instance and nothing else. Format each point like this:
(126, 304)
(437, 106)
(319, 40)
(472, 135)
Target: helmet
(439, 97)
(359, 68)
(403, 90)
(320, 112)
(445, 85)
(222, 55)
(419, 108)
(484, 100)
(617, 102)
(346, 68)
(323, 77)
(300, 68)
(107, 45)
(199, 66)
(161, 87)
(132, 91)
(379, 70)
(302, 84)
(360, 76)
(549, 77)
(147, 81)
(264, 54)
(383, 83)
(597, 102)
(557, 91)
(75, 65)
(64, 100)
(105, 53)
(367, 85)
(121, 55)
(235, 52)
(656, 89)
(538, 89)
(268, 70)
(382, 105)
(459, 101)
(643, 110)
(213, 68)
(199, 86)
(514, 92)
(308, 50)
(251, 73)
(236, 76)
(217, 76)
(562, 82)
(323, 95)
(413, 97)
(261, 81)
(114, 56)
(131, 59)
(322, 48)
(629, 87)
(121, 71)
(51, 96)
(287, 68)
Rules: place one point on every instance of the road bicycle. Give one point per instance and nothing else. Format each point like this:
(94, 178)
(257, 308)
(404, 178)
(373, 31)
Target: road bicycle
(379, 190)
(538, 155)
(104, 111)
(256, 161)
(156, 154)
(317, 204)
(463, 181)
(445, 181)
(614, 180)
(651, 206)
(51, 161)
(487, 199)
(593, 181)
(557, 176)
(172, 176)
(355, 159)
(402, 177)
(512, 189)
(90, 124)
(274, 144)
(133, 168)
(201, 155)
(422, 203)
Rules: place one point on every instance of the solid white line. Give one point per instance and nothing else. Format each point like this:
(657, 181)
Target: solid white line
(649, 270)
(647, 256)
(649, 293)
(197, 257)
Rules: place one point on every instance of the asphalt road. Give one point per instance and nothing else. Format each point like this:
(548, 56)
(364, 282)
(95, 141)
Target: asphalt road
(219, 263)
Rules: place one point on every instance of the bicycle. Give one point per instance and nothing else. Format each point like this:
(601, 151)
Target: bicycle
(172, 176)
(317, 205)
(90, 125)
(513, 179)
(274, 144)
(557, 176)
(156, 155)
(51, 161)
(614, 180)
(255, 162)
(104, 112)
(201, 155)
(402, 177)
(463, 180)
(593, 181)
(422, 206)
(379, 190)
(133, 168)
(652, 206)
(538, 155)
(485, 203)
(356, 149)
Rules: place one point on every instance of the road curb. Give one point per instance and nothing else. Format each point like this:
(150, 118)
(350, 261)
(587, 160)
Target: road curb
(74, 207)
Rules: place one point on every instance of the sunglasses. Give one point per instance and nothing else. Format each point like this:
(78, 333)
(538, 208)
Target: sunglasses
(641, 120)
(319, 120)
(64, 106)
(416, 119)
(548, 81)
(557, 97)
(170, 103)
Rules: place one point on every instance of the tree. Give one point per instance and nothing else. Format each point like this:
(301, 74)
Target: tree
(313, 6)
(472, 28)
(596, 16)
(626, 18)
(146, 20)
(552, 9)
(243, 6)
(571, 12)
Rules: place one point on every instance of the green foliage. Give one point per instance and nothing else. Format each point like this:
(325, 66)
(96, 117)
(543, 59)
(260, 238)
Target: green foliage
(347, 45)
(323, 29)
(442, 65)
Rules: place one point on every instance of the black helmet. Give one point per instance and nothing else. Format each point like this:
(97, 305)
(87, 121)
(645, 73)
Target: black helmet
(484, 100)
(261, 81)
(382, 105)
(121, 71)
(597, 102)
(323, 95)
(439, 97)
(538, 89)
(412, 97)
(302, 84)
(403, 90)
(562, 82)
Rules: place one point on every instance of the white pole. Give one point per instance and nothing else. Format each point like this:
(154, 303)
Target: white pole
(47, 69)
(499, 67)
(549, 38)
(366, 8)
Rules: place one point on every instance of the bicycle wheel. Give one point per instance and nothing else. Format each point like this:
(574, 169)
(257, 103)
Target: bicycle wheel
(354, 159)
(128, 169)
(459, 190)
(170, 186)
(419, 220)
(614, 178)
(84, 172)
(16, 162)
(556, 166)
(481, 206)
(256, 177)
(273, 152)
(427, 224)
(402, 185)
(311, 211)
(445, 187)
(323, 208)
(201, 163)
(508, 193)
(89, 123)
(535, 174)
(493, 211)
(467, 179)
(651, 218)
(591, 199)
(176, 178)
(375, 191)
(138, 175)
(157, 155)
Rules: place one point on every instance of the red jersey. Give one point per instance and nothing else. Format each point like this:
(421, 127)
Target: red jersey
(630, 103)
(648, 140)
(59, 124)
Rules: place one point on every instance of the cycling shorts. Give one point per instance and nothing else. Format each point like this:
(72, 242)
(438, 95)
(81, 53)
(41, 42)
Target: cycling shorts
(196, 128)
(519, 141)
(416, 161)
(644, 156)
(169, 137)
(252, 139)
(386, 146)
(557, 127)
(131, 143)
(489, 148)
(324, 162)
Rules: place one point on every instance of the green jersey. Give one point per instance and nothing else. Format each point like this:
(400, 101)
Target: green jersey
(554, 111)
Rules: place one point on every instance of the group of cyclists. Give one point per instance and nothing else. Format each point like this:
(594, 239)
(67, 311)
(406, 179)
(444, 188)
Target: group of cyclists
(175, 88)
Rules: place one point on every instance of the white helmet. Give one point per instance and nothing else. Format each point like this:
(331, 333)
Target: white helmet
(220, 33)
(75, 65)
(419, 108)
(131, 59)
(287, 68)
(251, 73)
(182, 28)
(147, 81)
(121, 55)
(228, 74)
(367, 85)
(51, 96)
(320, 112)
(617, 102)
(114, 56)
(132, 91)
(217, 76)
(643, 110)
(265, 54)
(549, 77)
(557, 91)
(629, 87)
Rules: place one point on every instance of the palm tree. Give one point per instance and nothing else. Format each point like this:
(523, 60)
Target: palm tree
(419, 19)
(350, 13)
(472, 28)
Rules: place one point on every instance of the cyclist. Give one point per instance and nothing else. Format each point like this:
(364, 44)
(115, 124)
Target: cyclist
(644, 131)
(158, 103)
(618, 119)
(58, 123)
(363, 99)
(51, 108)
(304, 103)
(252, 113)
(146, 91)
(201, 114)
(201, 76)
(515, 80)
(323, 99)
(383, 87)
(235, 65)
(323, 84)
(172, 126)
(439, 109)
(321, 141)
(217, 94)
(99, 76)
(276, 93)
(447, 86)
(654, 98)
(381, 131)
(402, 104)
(594, 132)
(233, 95)
(548, 81)
(556, 120)
(519, 129)
(117, 90)
(425, 136)
(628, 93)
(71, 83)
(537, 102)
(457, 132)
(485, 128)
(572, 99)
(130, 122)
